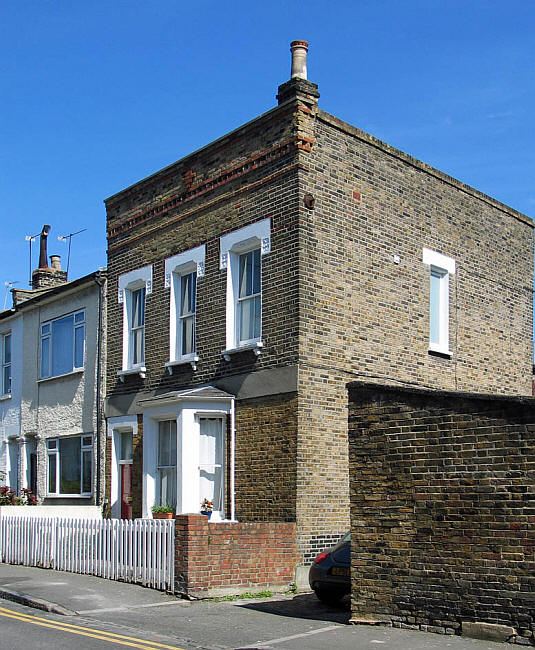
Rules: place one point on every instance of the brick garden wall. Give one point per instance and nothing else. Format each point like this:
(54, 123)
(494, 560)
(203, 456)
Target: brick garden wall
(232, 558)
(442, 507)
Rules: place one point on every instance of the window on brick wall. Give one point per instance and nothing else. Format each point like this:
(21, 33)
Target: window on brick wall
(5, 359)
(70, 466)
(134, 287)
(241, 256)
(441, 268)
(182, 272)
(62, 345)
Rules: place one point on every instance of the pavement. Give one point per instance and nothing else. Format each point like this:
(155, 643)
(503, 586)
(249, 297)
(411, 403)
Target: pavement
(283, 622)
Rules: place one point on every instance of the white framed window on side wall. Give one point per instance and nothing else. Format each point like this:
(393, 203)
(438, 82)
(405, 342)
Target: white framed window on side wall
(441, 268)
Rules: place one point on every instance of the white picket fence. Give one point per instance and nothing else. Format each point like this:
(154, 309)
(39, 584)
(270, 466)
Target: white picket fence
(138, 550)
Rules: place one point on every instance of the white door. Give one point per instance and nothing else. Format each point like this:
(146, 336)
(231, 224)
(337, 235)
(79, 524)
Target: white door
(211, 460)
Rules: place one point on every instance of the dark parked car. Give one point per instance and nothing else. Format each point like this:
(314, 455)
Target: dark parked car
(329, 575)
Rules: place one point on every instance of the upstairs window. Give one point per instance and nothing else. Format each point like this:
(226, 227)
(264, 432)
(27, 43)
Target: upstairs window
(134, 287)
(188, 288)
(182, 273)
(5, 358)
(241, 255)
(249, 305)
(62, 345)
(440, 269)
(137, 326)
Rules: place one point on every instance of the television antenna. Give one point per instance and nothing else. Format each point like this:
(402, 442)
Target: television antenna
(8, 286)
(31, 239)
(69, 237)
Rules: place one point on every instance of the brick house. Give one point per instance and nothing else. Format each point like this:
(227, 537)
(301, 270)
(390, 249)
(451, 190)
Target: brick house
(252, 279)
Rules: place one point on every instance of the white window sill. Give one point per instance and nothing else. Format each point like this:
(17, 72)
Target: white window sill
(6, 396)
(136, 370)
(190, 358)
(76, 371)
(69, 496)
(255, 346)
(438, 349)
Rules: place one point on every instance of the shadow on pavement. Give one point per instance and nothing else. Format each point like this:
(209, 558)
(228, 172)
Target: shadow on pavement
(303, 606)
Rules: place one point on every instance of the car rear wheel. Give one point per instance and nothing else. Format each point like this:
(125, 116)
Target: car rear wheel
(327, 596)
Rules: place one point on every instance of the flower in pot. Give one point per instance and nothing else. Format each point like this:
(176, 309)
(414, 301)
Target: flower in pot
(163, 512)
(207, 507)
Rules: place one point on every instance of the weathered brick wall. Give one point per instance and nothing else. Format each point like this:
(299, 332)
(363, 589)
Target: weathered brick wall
(266, 443)
(442, 507)
(221, 559)
(363, 316)
(366, 315)
(253, 177)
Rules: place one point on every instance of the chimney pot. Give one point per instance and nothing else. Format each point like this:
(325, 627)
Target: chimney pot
(55, 262)
(299, 59)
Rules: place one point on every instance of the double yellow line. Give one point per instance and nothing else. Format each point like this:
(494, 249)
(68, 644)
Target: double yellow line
(119, 639)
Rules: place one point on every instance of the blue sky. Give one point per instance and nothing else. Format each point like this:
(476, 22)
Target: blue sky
(96, 95)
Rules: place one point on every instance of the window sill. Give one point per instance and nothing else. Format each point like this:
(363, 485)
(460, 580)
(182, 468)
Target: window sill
(4, 397)
(76, 371)
(137, 370)
(190, 358)
(255, 346)
(69, 496)
(436, 350)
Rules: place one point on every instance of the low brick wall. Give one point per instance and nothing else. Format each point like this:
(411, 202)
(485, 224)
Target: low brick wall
(442, 508)
(217, 559)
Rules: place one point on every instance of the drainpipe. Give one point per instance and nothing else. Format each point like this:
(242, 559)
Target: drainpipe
(232, 458)
(100, 284)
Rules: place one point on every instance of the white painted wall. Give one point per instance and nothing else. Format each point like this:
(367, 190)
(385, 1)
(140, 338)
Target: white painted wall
(64, 405)
(69, 512)
(10, 407)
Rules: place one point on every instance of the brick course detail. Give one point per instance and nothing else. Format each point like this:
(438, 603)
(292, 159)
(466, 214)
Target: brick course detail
(442, 507)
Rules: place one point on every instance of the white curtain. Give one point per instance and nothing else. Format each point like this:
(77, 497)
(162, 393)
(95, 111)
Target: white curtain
(211, 461)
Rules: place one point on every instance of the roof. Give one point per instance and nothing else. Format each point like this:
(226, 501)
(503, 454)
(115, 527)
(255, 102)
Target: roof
(202, 393)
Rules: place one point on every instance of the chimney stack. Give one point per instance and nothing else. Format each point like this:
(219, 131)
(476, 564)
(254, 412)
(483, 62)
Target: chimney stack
(298, 87)
(46, 276)
(299, 59)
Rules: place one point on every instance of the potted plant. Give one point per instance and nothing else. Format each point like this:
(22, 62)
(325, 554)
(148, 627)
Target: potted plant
(163, 512)
(207, 507)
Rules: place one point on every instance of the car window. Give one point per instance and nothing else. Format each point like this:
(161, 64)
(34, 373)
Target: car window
(346, 537)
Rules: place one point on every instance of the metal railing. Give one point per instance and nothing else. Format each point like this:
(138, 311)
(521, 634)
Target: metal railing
(139, 550)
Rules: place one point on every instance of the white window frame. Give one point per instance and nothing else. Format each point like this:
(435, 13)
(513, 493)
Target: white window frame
(46, 334)
(232, 246)
(441, 267)
(5, 391)
(129, 283)
(176, 267)
(53, 452)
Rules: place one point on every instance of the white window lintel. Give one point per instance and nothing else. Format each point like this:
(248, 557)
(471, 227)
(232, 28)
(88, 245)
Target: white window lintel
(438, 260)
(135, 280)
(190, 260)
(238, 241)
